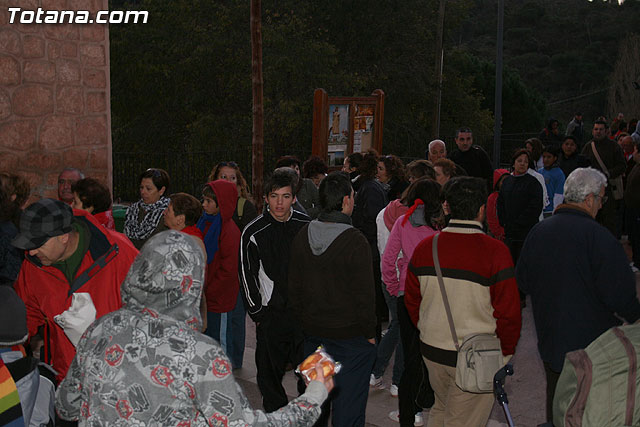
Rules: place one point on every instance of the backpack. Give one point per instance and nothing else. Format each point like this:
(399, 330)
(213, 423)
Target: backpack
(600, 385)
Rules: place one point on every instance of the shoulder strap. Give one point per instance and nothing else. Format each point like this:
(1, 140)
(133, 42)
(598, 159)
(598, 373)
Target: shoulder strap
(436, 263)
(600, 162)
(241, 202)
(94, 269)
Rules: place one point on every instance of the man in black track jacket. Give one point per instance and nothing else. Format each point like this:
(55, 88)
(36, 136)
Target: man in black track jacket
(264, 263)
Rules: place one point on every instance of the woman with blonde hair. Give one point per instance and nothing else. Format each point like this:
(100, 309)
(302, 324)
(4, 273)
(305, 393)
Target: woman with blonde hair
(245, 209)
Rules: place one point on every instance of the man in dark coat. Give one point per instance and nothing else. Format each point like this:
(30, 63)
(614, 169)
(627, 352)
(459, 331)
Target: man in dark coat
(613, 159)
(577, 274)
(472, 158)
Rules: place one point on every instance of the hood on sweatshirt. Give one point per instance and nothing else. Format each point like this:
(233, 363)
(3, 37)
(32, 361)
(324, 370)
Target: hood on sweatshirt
(394, 210)
(417, 217)
(227, 195)
(166, 279)
(497, 174)
(322, 234)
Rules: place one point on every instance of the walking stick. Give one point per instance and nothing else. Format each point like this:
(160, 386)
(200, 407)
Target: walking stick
(498, 390)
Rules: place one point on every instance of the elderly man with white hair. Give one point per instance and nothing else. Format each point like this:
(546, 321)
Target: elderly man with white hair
(577, 274)
(436, 150)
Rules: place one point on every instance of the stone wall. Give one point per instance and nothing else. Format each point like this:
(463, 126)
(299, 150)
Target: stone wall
(54, 96)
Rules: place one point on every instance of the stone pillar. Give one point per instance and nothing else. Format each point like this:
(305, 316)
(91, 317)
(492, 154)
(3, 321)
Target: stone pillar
(54, 96)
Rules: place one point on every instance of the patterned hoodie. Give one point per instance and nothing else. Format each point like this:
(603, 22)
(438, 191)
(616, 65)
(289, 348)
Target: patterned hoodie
(146, 364)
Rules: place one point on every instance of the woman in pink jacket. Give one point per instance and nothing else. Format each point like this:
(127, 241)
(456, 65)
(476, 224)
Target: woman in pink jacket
(422, 220)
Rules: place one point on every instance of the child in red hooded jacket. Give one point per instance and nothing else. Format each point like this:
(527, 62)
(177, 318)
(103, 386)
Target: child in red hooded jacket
(222, 242)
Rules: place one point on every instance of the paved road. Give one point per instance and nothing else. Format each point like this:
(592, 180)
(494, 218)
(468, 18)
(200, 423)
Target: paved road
(525, 389)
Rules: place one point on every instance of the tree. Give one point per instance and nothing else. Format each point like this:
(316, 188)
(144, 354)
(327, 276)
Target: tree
(624, 92)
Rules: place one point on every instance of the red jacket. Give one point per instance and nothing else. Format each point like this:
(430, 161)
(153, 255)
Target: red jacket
(46, 292)
(222, 283)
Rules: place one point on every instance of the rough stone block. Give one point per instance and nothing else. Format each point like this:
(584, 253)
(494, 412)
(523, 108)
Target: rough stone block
(8, 161)
(18, 135)
(96, 102)
(39, 71)
(92, 32)
(61, 31)
(32, 100)
(54, 49)
(92, 54)
(89, 5)
(69, 49)
(98, 159)
(33, 47)
(91, 130)
(34, 179)
(27, 28)
(43, 161)
(69, 99)
(75, 158)
(5, 104)
(94, 78)
(101, 176)
(68, 71)
(56, 132)
(9, 41)
(54, 4)
(9, 71)
(51, 179)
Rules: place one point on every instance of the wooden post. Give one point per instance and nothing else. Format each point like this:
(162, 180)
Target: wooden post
(257, 158)
(438, 69)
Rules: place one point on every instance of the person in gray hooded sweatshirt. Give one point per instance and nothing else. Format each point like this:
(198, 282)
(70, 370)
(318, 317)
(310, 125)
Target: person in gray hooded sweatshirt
(331, 295)
(147, 364)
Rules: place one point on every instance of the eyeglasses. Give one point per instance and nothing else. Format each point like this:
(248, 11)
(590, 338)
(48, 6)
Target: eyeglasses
(231, 164)
(155, 172)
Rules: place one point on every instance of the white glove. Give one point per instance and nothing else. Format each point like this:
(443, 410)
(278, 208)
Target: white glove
(77, 318)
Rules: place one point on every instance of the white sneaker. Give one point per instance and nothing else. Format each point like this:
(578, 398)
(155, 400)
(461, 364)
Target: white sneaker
(393, 390)
(418, 419)
(375, 382)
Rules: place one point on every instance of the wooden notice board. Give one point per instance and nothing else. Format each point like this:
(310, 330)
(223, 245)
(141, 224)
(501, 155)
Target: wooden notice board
(346, 124)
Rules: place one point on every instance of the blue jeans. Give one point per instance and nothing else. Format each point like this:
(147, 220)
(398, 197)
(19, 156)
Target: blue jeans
(390, 341)
(347, 402)
(219, 328)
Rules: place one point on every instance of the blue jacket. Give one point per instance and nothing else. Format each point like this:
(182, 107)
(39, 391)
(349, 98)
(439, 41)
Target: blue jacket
(578, 276)
(554, 180)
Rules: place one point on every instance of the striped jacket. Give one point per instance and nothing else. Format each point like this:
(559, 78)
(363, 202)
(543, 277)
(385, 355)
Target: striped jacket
(479, 280)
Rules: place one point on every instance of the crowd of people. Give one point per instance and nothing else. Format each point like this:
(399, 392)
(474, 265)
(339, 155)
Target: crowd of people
(148, 325)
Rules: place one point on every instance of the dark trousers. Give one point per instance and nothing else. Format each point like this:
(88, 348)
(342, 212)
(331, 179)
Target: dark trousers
(382, 311)
(278, 342)
(347, 402)
(238, 328)
(633, 226)
(515, 247)
(552, 381)
(414, 390)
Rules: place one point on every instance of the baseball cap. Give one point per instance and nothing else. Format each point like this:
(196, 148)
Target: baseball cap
(42, 220)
